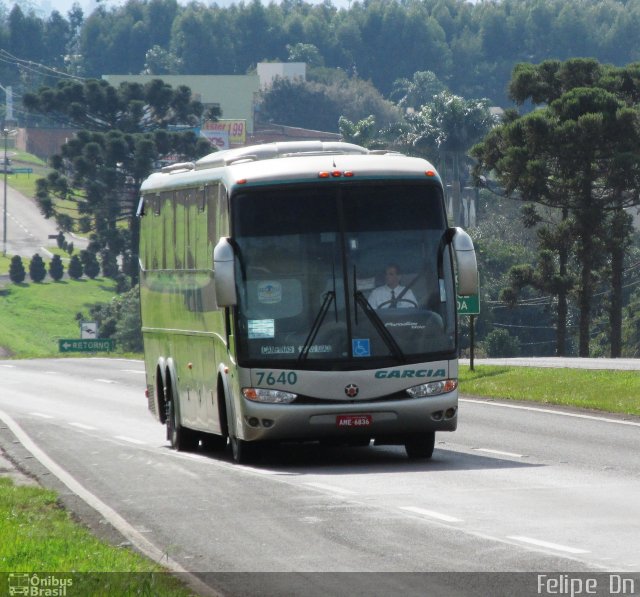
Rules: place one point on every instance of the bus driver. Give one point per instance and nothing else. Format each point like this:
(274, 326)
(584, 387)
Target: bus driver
(392, 295)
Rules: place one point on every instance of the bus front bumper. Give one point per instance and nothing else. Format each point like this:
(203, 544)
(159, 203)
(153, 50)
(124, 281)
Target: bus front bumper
(350, 420)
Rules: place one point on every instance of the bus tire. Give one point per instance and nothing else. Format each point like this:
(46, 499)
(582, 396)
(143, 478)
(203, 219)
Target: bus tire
(420, 445)
(243, 452)
(180, 438)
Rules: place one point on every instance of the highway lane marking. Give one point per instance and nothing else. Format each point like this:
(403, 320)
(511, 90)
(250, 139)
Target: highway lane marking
(117, 521)
(498, 452)
(551, 412)
(83, 426)
(332, 488)
(42, 415)
(430, 514)
(133, 371)
(104, 380)
(131, 440)
(548, 544)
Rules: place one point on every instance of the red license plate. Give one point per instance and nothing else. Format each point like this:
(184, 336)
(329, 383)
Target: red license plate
(353, 421)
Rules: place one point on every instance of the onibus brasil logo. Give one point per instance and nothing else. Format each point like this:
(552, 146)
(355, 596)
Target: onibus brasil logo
(38, 585)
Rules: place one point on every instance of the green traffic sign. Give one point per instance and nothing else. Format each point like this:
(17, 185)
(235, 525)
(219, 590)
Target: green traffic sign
(468, 305)
(92, 345)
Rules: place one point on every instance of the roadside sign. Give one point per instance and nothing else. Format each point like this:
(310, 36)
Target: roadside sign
(95, 345)
(89, 330)
(468, 305)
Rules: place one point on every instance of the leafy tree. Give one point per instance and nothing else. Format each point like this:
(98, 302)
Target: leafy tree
(17, 272)
(37, 269)
(101, 169)
(363, 132)
(56, 268)
(417, 91)
(75, 268)
(298, 103)
(580, 153)
(499, 343)
(447, 128)
(550, 275)
(90, 264)
(120, 320)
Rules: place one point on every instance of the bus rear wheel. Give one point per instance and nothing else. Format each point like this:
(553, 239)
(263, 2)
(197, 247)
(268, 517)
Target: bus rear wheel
(420, 445)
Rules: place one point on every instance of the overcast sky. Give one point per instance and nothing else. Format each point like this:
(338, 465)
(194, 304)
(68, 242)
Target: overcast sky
(63, 6)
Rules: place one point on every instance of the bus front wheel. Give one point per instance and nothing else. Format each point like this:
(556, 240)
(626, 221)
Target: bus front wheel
(243, 452)
(420, 445)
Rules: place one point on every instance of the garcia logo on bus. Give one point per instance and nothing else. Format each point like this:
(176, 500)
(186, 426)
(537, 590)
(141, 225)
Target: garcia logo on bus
(403, 373)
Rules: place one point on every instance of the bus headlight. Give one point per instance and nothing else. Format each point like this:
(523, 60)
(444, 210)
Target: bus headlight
(433, 388)
(268, 396)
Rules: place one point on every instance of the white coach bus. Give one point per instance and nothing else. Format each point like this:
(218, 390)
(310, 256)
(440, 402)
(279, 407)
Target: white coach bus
(258, 268)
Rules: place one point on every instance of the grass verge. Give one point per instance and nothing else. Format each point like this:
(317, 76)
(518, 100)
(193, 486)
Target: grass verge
(33, 317)
(610, 391)
(38, 535)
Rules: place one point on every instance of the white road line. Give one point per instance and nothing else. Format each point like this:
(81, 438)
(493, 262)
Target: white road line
(133, 371)
(83, 426)
(9, 366)
(131, 440)
(430, 514)
(127, 530)
(104, 380)
(332, 488)
(42, 415)
(551, 412)
(548, 544)
(498, 452)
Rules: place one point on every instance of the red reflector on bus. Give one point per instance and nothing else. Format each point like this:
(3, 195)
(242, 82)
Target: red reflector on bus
(241, 181)
(430, 173)
(348, 173)
(336, 174)
(323, 175)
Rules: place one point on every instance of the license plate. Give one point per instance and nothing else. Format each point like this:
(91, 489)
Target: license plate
(353, 421)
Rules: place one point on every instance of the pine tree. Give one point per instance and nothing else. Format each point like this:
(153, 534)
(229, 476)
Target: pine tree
(75, 268)
(16, 270)
(56, 269)
(37, 269)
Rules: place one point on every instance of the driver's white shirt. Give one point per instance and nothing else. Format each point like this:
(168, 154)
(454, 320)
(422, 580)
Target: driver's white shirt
(382, 294)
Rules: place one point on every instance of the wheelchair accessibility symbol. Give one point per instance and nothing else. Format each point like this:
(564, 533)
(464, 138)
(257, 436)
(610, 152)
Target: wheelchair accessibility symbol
(361, 347)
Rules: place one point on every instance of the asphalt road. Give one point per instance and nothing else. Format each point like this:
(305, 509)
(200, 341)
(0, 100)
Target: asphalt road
(27, 231)
(516, 489)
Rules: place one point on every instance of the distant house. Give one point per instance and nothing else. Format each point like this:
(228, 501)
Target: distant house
(235, 95)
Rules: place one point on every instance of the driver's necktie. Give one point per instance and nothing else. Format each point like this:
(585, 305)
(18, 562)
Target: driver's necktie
(394, 303)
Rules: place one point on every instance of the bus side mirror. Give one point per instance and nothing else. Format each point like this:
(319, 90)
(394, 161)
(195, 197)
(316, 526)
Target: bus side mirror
(466, 262)
(224, 273)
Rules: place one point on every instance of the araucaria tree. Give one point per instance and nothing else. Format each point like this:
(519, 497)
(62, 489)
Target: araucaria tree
(123, 134)
(579, 154)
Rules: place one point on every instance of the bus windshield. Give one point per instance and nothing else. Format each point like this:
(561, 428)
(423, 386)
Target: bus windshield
(343, 276)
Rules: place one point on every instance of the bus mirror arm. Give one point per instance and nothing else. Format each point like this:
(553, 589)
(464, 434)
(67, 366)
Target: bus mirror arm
(465, 261)
(224, 273)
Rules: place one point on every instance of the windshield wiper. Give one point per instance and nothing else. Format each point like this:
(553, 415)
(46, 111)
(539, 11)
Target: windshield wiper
(329, 297)
(378, 324)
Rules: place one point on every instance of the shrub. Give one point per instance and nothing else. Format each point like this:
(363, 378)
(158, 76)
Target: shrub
(75, 268)
(17, 273)
(499, 343)
(56, 269)
(37, 269)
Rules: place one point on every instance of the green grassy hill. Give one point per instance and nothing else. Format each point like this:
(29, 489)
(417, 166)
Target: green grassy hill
(33, 317)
